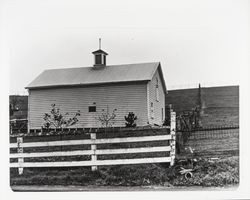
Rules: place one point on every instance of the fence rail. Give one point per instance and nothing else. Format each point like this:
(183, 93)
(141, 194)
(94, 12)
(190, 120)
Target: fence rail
(91, 152)
(214, 128)
(93, 141)
(92, 163)
(167, 145)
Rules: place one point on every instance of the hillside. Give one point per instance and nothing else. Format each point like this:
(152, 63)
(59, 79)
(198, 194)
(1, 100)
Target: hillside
(21, 105)
(220, 104)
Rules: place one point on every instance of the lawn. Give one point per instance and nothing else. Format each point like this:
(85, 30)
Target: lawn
(221, 172)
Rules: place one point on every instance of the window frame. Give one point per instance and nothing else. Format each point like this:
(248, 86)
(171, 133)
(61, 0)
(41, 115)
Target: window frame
(99, 56)
(152, 113)
(92, 107)
(157, 96)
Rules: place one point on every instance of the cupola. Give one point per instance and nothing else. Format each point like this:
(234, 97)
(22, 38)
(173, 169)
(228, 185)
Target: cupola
(99, 56)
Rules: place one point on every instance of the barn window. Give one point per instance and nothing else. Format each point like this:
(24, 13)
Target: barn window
(98, 59)
(152, 110)
(157, 90)
(162, 114)
(92, 108)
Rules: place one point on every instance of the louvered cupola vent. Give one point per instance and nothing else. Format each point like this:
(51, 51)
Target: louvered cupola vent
(99, 56)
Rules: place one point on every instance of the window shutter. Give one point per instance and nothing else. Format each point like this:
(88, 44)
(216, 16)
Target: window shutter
(157, 90)
(157, 93)
(152, 113)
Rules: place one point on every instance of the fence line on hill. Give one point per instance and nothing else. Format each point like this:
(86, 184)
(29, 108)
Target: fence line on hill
(93, 152)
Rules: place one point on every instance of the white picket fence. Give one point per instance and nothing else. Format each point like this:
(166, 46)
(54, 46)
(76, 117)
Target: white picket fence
(93, 152)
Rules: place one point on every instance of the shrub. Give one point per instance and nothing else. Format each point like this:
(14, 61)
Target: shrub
(107, 119)
(57, 119)
(130, 120)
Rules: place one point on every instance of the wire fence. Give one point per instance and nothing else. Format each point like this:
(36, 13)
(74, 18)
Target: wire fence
(207, 133)
(216, 133)
(209, 141)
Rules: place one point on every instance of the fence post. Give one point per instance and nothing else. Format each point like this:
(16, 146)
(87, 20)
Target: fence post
(20, 150)
(93, 147)
(173, 136)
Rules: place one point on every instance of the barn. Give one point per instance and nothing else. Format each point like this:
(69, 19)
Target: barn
(139, 88)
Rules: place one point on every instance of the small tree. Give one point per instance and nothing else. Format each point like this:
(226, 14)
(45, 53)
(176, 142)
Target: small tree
(130, 120)
(106, 118)
(14, 104)
(57, 120)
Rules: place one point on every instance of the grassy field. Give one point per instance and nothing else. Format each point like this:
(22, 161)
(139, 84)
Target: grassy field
(220, 104)
(221, 108)
(206, 173)
(218, 143)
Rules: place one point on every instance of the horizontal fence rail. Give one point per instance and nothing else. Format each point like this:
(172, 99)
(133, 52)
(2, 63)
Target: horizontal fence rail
(91, 141)
(167, 144)
(93, 163)
(90, 152)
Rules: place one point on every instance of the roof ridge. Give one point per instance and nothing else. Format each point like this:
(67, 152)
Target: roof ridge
(143, 63)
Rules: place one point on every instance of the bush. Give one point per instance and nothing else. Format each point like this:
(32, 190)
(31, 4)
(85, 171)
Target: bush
(130, 120)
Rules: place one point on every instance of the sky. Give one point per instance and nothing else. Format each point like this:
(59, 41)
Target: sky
(195, 41)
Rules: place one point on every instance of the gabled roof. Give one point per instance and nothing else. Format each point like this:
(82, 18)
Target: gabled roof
(96, 75)
(100, 52)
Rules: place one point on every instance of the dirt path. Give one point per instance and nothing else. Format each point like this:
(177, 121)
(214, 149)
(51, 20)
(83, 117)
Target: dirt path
(58, 188)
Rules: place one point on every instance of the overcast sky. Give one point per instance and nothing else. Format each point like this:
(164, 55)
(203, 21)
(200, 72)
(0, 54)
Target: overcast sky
(195, 41)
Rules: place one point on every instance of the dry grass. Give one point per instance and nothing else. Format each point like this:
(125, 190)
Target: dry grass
(221, 104)
(218, 173)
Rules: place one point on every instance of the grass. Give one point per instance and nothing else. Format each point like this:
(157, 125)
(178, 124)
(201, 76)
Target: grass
(217, 173)
(221, 104)
(214, 144)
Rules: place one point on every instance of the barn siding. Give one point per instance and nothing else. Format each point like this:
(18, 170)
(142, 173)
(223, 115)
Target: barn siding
(123, 97)
(158, 105)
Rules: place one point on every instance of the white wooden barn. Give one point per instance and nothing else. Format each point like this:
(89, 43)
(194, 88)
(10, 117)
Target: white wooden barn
(138, 88)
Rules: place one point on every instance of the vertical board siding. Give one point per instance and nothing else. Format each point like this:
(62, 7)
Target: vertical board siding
(158, 105)
(123, 97)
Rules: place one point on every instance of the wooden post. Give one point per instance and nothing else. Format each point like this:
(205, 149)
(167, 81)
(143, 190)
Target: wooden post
(173, 136)
(20, 150)
(93, 147)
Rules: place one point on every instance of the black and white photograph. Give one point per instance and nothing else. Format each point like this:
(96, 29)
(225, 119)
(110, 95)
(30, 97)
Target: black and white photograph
(125, 96)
